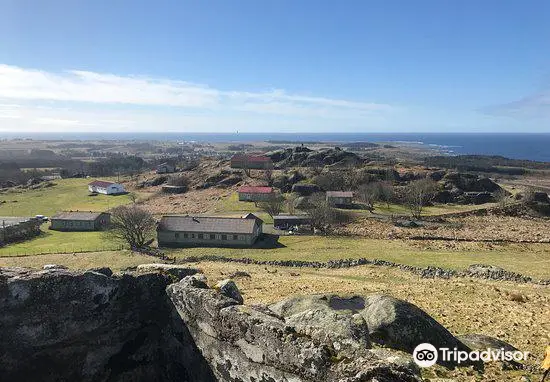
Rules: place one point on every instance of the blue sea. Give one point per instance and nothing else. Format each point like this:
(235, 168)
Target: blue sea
(517, 146)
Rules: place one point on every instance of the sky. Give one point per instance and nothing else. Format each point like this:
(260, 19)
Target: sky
(286, 66)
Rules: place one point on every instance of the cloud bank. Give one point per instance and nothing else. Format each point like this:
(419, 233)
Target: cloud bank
(36, 99)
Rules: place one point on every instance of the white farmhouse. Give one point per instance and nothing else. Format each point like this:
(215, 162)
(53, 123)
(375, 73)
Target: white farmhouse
(104, 187)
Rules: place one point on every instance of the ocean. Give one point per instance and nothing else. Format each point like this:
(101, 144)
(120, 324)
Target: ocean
(517, 146)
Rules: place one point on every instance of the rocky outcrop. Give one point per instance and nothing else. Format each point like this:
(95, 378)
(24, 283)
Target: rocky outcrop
(59, 325)
(252, 343)
(398, 324)
(304, 157)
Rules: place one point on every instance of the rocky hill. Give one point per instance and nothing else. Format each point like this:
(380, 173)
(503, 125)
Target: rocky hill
(302, 156)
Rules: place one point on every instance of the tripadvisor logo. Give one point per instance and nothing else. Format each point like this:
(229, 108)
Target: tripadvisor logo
(426, 355)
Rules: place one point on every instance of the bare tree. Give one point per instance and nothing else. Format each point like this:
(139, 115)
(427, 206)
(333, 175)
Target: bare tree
(132, 225)
(273, 206)
(373, 192)
(290, 203)
(386, 193)
(323, 216)
(268, 177)
(350, 178)
(418, 194)
(369, 194)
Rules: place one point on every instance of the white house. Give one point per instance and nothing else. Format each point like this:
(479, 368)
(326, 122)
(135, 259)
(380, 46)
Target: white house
(104, 187)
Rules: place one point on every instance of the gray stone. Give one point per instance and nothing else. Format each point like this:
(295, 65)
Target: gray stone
(243, 343)
(326, 318)
(400, 325)
(229, 288)
(176, 271)
(54, 266)
(483, 342)
(59, 325)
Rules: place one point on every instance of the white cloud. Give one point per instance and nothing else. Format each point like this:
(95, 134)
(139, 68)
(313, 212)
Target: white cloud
(97, 88)
(536, 106)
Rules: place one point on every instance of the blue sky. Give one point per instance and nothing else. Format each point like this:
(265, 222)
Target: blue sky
(275, 65)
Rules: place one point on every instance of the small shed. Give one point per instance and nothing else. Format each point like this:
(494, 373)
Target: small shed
(340, 198)
(255, 194)
(80, 221)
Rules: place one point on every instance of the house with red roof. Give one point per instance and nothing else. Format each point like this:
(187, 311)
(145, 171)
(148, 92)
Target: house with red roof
(254, 162)
(105, 187)
(255, 193)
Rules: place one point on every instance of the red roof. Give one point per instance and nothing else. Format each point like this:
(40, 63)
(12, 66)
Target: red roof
(255, 190)
(251, 158)
(100, 183)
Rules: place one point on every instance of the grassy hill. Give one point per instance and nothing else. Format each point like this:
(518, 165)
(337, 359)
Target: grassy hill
(65, 194)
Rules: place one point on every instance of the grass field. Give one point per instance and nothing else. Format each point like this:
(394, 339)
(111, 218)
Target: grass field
(532, 259)
(66, 194)
(60, 242)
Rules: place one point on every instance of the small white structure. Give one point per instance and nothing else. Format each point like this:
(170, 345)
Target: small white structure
(104, 187)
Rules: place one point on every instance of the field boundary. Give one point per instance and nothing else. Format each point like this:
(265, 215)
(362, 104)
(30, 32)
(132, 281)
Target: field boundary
(478, 271)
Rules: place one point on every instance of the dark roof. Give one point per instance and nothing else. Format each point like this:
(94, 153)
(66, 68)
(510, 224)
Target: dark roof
(256, 190)
(340, 194)
(250, 215)
(101, 183)
(206, 224)
(251, 158)
(77, 215)
(291, 217)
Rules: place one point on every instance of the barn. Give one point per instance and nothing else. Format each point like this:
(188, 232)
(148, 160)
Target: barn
(205, 231)
(105, 187)
(80, 221)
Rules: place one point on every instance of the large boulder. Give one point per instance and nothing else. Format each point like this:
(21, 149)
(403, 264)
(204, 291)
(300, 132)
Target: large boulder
(401, 325)
(253, 343)
(59, 325)
(326, 318)
(483, 342)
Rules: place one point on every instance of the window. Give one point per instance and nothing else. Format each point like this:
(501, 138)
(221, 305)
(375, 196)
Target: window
(201, 236)
(224, 237)
(235, 237)
(177, 235)
(185, 236)
(193, 235)
(212, 236)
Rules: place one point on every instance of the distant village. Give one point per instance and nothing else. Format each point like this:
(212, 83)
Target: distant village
(178, 230)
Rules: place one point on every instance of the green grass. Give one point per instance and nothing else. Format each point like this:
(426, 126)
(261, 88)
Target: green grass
(532, 259)
(231, 206)
(66, 194)
(59, 242)
(116, 260)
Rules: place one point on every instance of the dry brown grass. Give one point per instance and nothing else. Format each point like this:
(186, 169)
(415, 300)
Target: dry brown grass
(461, 305)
